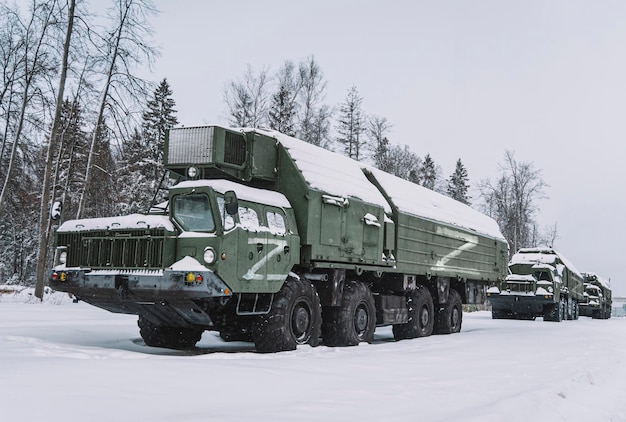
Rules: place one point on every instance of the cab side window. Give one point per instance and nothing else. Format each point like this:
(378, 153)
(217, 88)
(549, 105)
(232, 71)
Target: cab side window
(248, 218)
(276, 222)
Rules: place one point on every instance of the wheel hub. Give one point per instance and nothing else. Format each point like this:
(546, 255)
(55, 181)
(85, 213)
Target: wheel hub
(361, 320)
(301, 322)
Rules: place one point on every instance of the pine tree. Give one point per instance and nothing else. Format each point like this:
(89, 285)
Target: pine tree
(351, 125)
(458, 184)
(282, 112)
(100, 194)
(427, 174)
(157, 119)
(135, 184)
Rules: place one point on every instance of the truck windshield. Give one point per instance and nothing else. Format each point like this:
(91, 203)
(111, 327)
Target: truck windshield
(193, 213)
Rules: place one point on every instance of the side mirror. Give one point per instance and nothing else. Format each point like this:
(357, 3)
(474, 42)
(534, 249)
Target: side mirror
(230, 202)
(55, 210)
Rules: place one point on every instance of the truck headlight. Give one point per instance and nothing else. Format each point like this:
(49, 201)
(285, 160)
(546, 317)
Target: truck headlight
(209, 255)
(63, 257)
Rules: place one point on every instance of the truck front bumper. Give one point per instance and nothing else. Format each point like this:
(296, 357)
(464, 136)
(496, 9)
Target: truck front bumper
(168, 293)
(519, 304)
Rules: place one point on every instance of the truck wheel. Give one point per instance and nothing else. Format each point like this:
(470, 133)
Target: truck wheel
(295, 318)
(576, 310)
(450, 316)
(553, 312)
(179, 338)
(421, 316)
(352, 322)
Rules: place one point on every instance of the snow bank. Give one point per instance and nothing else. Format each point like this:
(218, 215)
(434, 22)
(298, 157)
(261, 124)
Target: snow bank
(21, 294)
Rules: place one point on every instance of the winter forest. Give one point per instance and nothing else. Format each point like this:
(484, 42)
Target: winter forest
(82, 131)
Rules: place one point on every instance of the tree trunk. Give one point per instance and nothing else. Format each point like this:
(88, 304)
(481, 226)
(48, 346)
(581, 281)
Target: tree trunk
(44, 213)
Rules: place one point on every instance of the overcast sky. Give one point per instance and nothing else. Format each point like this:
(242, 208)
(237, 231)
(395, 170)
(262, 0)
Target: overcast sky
(457, 79)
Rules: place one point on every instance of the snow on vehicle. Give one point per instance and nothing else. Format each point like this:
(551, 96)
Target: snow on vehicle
(597, 299)
(273, 240)
(542, 282)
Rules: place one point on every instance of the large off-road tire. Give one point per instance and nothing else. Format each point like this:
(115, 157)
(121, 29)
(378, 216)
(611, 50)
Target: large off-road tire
(449, 317)
(352, 322)
(295, 318)
(555, 311)
(576, 310)
(569, 309)
(179, 338)
(421, 316)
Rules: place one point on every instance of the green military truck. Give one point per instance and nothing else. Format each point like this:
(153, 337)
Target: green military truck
(273, 240)
(597, 301)
(542, 282)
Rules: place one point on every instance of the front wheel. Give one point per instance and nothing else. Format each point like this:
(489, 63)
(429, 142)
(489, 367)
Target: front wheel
(295, 318)
(180, 338)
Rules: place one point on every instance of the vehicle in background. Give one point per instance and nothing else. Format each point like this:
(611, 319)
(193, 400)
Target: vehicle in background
(541, 282)
(597, 302)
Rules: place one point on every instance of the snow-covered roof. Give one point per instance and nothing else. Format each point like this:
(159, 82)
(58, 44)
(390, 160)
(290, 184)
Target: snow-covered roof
(417, 200)
(596, 278)
(328, 171)
(132, 221)
(541, 256)
(339, 175)
(244, 192)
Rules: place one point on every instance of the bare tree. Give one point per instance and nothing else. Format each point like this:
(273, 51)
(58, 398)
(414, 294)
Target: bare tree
(44, 220)
(247, 99)
(513, 200)
(402, 162)
(34, 62)
(550, 235)
(125, 46)
(377, 130)
(313, 115)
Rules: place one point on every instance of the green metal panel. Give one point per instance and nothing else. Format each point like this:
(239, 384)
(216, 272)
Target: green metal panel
(431, 248)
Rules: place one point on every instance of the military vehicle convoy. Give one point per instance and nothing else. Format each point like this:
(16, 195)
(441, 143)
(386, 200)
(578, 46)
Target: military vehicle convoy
(272, 240)
(541, 282)
(597, 300)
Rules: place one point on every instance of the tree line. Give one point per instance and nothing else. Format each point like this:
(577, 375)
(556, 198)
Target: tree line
(78, 127)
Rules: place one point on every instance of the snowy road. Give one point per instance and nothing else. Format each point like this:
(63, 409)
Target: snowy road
(74, 362)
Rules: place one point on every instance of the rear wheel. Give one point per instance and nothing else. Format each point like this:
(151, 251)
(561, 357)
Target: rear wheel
(450, 316)
(295, 318)
(179, 338)
(352, 322)
(421, 316)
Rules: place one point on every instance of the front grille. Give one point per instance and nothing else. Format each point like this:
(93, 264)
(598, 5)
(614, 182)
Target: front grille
(128, 249)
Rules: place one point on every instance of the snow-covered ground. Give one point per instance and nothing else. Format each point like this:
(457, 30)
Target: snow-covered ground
(64, 361)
